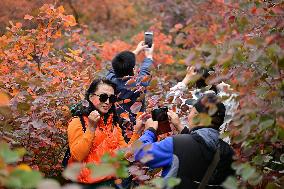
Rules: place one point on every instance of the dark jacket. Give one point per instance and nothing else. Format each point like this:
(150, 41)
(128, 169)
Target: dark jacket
(126, 91)
(188, 155)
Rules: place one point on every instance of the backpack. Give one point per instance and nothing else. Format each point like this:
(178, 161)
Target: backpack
(68, 152)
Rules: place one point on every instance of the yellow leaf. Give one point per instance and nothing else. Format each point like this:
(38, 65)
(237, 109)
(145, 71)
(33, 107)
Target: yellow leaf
(29, 57)
(60, 9)
(24, 167)
(68, 59)
(4, 99)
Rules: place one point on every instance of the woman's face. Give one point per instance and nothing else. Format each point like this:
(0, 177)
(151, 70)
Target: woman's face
(102, 90)
(192, 114)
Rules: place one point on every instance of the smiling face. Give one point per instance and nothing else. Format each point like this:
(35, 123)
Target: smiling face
(103, 107)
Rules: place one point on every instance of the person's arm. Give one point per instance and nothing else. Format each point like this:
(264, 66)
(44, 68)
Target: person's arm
(181, 87)
(141, 46)
(110, 75)
(145, 67)
(79, 142)
(159, 153)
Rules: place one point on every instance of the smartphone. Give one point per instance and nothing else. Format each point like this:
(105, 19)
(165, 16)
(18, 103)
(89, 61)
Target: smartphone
(160, 115)
(148, 38)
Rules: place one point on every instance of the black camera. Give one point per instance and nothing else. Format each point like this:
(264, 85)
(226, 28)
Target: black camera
(148, 38)
(160, 114)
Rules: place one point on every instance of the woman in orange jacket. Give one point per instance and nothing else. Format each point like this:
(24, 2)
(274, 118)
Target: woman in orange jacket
(102, 134)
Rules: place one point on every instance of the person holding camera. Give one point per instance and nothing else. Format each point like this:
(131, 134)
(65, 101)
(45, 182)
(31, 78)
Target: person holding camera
(193, 155)
(122, 71)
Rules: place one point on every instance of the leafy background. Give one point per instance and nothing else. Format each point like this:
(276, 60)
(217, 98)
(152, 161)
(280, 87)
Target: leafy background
(49, 53)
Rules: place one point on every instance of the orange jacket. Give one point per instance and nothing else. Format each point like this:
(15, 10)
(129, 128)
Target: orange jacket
(90, 146)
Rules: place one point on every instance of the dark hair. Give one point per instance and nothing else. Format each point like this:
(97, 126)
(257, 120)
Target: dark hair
(84, 110)
(123, 64)
(202, 106)
(201, 83)
(93, 88)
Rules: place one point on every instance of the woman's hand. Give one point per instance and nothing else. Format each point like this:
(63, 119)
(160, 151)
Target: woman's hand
(174, 119)
(93, 119)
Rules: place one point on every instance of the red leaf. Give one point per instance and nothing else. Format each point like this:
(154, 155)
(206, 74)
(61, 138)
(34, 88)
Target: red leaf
(136, 107)
(126, 100)
(125, 115)
(130, 81)
(146, 78)
(253, 10)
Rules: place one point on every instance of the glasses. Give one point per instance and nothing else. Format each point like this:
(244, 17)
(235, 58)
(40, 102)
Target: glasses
(103, 98)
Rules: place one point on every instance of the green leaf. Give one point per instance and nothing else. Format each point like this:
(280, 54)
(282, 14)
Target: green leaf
(242, 23)
(258, 160)
(144, 187)
(106, 158)
(26, 179)
(203, 119)
(281, 63)
(255, 179)
(265, 124)
(13, 182)
(158, 182)
(280, 133)
(49, 183)
(271, 186)
(171, 182)
(122, 172)
(23, 107)
(72, 171)
(230, 183)
(8, 155)
(103, 170)
(282, 158)
(247, 171)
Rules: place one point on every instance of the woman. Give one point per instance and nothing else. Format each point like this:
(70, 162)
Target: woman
(102, 134)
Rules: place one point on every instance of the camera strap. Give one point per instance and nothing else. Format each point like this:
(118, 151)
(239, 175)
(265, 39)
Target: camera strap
(210, 169)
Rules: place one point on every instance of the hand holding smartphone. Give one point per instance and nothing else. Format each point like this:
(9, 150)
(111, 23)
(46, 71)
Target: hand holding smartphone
(148, 38)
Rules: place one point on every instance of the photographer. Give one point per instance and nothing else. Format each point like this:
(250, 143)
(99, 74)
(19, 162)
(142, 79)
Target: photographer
(189, 154)
(122, 66)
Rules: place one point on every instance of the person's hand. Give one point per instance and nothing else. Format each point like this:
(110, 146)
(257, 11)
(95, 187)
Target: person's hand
(174, 119)
(141, 46)
(189, 75)
(139, 124)
(93, 119)
(150, 123)
(149, 52)
(190, 71)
